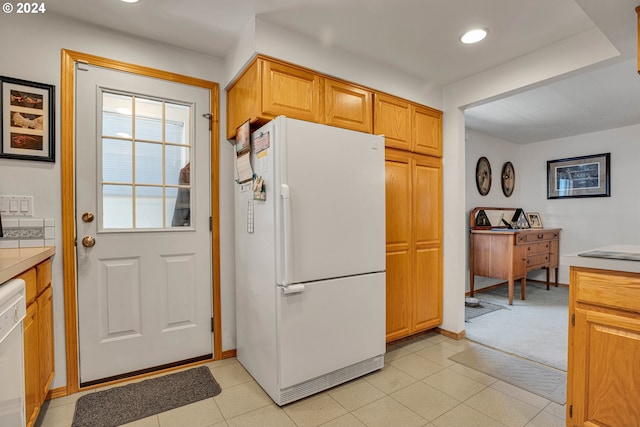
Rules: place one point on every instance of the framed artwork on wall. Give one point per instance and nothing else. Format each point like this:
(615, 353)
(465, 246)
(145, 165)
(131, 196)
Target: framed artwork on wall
(586, 176)
(28, 120)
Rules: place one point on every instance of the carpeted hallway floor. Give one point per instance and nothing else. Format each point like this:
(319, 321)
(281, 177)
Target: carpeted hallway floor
(535, 329)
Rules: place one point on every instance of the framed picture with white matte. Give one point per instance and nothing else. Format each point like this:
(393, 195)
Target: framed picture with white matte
(27, 125)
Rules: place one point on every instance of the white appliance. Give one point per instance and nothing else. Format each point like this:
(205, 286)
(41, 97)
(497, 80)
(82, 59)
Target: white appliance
(310, 258)
(12, 313)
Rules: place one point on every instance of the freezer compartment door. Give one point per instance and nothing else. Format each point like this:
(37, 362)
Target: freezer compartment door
(331, 325)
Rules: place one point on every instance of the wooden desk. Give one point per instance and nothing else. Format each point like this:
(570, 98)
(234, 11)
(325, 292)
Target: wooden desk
(511, 254)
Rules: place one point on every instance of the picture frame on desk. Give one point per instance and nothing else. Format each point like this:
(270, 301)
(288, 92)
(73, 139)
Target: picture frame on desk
(585, 176)
(535, 220)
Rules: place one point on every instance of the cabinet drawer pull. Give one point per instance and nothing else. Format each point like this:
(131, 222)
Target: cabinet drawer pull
(540, 236)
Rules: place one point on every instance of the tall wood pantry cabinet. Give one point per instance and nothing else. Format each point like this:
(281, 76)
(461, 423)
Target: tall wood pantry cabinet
(414, 243)
(268, 87)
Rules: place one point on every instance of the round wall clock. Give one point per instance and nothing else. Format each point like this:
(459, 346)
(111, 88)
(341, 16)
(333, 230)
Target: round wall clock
(483, 176)
(508, 179)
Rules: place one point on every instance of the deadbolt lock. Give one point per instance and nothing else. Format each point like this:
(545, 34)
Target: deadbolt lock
(87, 217)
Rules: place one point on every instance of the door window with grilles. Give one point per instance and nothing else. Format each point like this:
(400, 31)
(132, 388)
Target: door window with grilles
(145, 163)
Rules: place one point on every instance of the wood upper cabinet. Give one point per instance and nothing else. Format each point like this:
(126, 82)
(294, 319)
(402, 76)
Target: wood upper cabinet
(603, 375)
(414, 243)
(426, 130)
(348, 106)
(392, 118)
(408, 126)
(268, 88)
(290, 91)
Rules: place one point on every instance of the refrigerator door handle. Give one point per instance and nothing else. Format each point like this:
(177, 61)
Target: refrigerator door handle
(285, 193)
(293, 289)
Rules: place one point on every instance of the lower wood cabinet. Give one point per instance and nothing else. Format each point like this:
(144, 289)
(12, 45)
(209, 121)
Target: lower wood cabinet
(38, 338)
(603, 375)
(414, 243)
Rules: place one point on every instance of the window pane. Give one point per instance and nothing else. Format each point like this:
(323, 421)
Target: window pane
(178, 207)
(116, 115)
(116, 161)
(176, 158)
(148, 119)
(148, 163)
(117, 206)
(149, 207)
(177, 124)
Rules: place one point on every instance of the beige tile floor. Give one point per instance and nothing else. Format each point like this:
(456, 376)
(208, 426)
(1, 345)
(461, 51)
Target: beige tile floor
(419, 386)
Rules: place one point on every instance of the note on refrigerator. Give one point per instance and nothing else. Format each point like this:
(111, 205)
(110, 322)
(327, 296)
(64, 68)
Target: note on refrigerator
(243, 166)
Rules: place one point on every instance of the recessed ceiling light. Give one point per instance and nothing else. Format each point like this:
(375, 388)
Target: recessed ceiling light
(130, 1)
(474, 36)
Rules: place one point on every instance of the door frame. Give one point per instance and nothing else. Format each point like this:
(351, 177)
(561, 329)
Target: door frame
(67, 106)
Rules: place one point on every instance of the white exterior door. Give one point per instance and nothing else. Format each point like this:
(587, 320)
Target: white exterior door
(142, 223)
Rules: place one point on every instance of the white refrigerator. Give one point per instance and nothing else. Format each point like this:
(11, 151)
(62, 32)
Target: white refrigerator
(310, 258)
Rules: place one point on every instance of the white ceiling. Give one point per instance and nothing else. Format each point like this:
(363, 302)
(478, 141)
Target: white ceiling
(421, 38)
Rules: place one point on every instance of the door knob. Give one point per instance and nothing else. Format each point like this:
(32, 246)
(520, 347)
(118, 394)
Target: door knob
(87, 217)
(88, 241)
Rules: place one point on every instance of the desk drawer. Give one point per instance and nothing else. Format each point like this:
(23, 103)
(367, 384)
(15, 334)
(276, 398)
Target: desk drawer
(537, 261)
(536, 236)
(538, 248)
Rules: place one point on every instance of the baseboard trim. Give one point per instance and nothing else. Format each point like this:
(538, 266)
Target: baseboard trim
(55, 393)
(453, 335)
(227, 354)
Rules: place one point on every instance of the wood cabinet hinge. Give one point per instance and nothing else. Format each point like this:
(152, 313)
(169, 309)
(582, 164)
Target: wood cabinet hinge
(212, 325)
(210, 224)
(570, 411)
(573, 319)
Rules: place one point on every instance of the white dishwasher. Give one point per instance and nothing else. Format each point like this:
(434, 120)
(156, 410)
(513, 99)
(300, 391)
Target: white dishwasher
(12, 313)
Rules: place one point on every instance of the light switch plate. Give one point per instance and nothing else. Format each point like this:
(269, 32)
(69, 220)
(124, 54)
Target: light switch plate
(20, 206)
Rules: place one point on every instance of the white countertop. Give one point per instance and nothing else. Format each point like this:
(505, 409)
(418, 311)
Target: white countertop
(15, 261)
(631, 266)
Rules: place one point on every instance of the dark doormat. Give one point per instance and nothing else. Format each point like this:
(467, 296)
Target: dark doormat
(121, 405)
(483, 307)
(533, 377)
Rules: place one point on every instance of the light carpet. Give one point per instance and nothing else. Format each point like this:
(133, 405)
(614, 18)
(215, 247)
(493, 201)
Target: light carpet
(533, 377)
(121, 405)
(535, 329)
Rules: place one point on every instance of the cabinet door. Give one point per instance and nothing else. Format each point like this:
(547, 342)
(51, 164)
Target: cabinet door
(292, 92)
(43, 275)
(348, 106)
(31, 364)
(426, 131)
(45, 341)
(399, 247)
(243, 99)
(392, 118)
(427, 232)
(604, 375)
